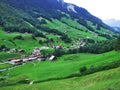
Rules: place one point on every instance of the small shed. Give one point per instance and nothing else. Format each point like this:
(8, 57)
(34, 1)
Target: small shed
(52, 58)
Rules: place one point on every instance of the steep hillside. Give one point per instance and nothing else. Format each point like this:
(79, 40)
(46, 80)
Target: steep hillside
(53, 9)
(18, 40)
(55, 16)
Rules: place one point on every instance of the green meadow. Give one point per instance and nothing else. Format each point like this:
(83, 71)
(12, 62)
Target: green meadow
(62, 67)
(28, 43)
(104, 80)
(72, 27)
(85, 50)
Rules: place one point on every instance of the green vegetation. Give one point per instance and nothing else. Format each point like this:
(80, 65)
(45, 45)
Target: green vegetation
(18, 41)
(117, 44)
(64, 66)
(6, 56)
(68, 26)
(99, 47)
(72, 29)
(2, 65)
(71, 37)
(105, 80)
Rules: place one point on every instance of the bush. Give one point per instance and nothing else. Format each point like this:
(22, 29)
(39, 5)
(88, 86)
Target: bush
(3, 47)
(18, 37)
(83, 70)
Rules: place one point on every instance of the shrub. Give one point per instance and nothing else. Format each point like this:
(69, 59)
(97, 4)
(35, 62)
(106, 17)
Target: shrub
(18, 37)
(40, 42)
(83, 70)
(3, 48)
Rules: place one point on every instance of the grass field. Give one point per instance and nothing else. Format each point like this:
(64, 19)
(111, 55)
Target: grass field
(27, 44)
(70, 26)
(6, 56)
(64, 66)
(4, 65)
(75, 30)
(105, 80)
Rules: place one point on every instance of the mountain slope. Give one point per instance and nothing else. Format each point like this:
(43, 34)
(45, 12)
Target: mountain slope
(32, 16)
(117, 29)
(113, 23)
(52, 27)
(49, 23)
(49, 9)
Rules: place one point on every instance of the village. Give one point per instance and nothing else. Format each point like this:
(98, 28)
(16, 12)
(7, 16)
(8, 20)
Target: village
(36, 55)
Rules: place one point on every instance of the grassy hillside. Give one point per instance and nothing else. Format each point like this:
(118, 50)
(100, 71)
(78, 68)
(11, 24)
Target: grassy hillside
(4, 65)
(75, 30)
(64, 66)
(63, 27)
(28, 24)
(105, 80)
(31, 17)
(70, 31)
(5, 56)
(27, 43)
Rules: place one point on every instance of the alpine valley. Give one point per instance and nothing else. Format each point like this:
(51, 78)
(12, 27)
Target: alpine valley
(54, 45)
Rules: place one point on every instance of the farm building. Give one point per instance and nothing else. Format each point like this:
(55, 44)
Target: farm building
(16, 61)
(52, 58)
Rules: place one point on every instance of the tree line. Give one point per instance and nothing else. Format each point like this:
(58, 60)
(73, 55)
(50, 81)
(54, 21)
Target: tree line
(96, 48)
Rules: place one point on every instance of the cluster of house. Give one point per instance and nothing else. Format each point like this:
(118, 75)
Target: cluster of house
(81, 42)
(14, 50)
(35, 55)
(25, 60)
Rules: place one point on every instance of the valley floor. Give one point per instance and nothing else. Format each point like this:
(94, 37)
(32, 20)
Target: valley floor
(39, 74)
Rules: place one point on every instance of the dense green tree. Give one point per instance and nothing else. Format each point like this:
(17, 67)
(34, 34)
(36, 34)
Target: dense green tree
(19, 37)
(59, 52)
(98, 47)
(117, 44)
